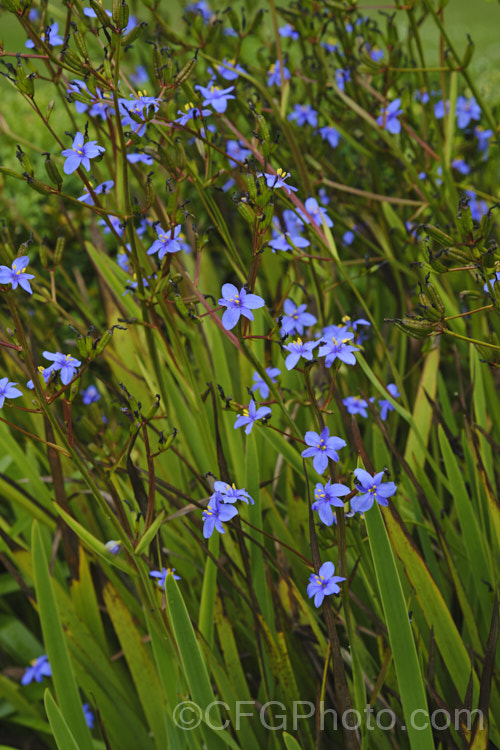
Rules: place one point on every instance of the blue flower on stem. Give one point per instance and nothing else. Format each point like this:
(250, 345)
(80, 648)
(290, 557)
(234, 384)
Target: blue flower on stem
(329, 134)
(161, 576)
(101, 189)
(371, 488)
(275, 181)
(202, 8)
(341, 78)
(297, 350)
(50, 36)
(440, 110)
(80, 154)
(316, 212)
(229, 70)
(8, 390)
(231, 494)
(274, 74)
(46, 372)
(483, 139)
(339, 348)
(287, 31)
(236, 151)
(137, 158)
(492, 282)
(323, 583)
(250, 416)
(295, 318)
(89, 716)
(321, 448)
(190, 113)
(388, 117)
(478, 206)
(216, 97)
(17, 275)
(466, 111)
(356, 405)
(39, 669)
(286, 241)
(166, 242)
(141, 107)
(460, 165)
(65, 363)
(217, 513)
(304, 114)
(326, 496)
(90, 395)
(238, 303)
(386, 406)
(261, 385)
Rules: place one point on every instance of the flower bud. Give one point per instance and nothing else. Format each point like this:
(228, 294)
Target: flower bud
(101, 14)
(439, 236)
(52, 171)
(185, 72)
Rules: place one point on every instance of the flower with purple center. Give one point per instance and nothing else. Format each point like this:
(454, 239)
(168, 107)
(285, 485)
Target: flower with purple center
(217, 513)
(191, 112)
(304, 114)
(161, 576)
(16, 275)
(385, 405)
(321, 448)
(238, 303)
(356, 405)
(338, 347)
(295, 318)
(8, 390)
(287, 31)
(90, 395)
(250, 416)
(466, 110)
(316, 212)
(50, 36)
(388, 118)
(274, 74)
(216, 97)
(275, 181)
(329, 134)
(231, 494)
(261, 385)
(38, 669)
(166, 242)
(326, 496)
(323, 583)
(65, 364)
(371, 489)
(298, 349)
(342, 77)
(80, 154)
(101, 189)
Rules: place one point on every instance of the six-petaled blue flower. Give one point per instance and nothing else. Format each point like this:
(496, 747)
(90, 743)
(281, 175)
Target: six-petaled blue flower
(371, 488)
(8, 390)
(217, 513)
(298, 349)
(385, 405)
(238, 303)
(16, 275)
(261, 385)
(64, 363)
(295, 318)
(80, 154)
(388, 117)
(161, 576)
(339, 347)
(250, 416)
(166, 242)
(216, 97)
(326, 496)
(38, 669)
(231, 494)
(304, 114)
(323, 583)
(321, 448)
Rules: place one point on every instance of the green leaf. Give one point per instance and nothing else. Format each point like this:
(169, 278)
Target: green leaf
(62, 733)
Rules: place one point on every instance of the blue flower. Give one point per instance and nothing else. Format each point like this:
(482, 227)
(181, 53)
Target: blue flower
(238, 303)
(101, 189)
(46, 372)
(293, 223)
(317, 213)
(166, 242)
(341, 78)
(141, 107)
(39, 669)
(216, 97)
(50, 36)
(372, 488)
(65, 363)
(375, 53)
(236, 151)
(483, 139)
(478, 206)
(297, 350)
(202, 8)
(90, 395)
(286, 242)
(339, 348)
(275, 181)
(231, 494)
(217, 513)
(115, 222)
(329, 134)
(304, 114)
(325, 496)
(348, 237)
(139, 158)
(331, 44)
(89, 716)
(356, 405)
(140, 76)
(288, 31)
(191, 111)
(161, 576)
(492, 282)
(295, 318)
(274, 74)
(229, 70)
(321, 448)
(80, 154)
(250, 416)
(16, 275)
(261, 385)
(460, 165)
(388, 117)
(386, 406)
(323, 584)
(8, 390)
(466, 111)
(439, 109)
